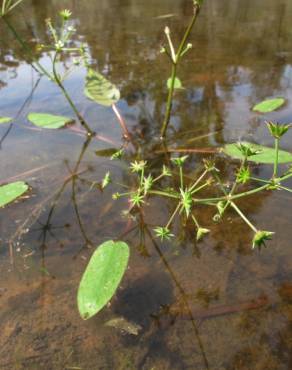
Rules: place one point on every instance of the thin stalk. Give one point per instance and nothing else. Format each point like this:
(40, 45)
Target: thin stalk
(181, 176)
(284, 188)
(261, 180)
(199, 188)
(217, 178)
(195, 221)
(245, 219)
(164, 194)
(236, 196)
(65, 93)
(276, 162)
(234, 186)
(173, 215)
(181, 47)
(169, 100)
(122, 122)
(270, 182)
(198, 180)
(74, 195)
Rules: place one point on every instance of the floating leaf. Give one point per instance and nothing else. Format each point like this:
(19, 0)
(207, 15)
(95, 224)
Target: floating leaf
(177, 83)
(9, 192)
(266, 154)
(5, 120)
(269, 105)
(99, 89)
(46, 120)
(102, 277)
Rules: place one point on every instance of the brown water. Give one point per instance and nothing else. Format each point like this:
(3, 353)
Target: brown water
(242, 53)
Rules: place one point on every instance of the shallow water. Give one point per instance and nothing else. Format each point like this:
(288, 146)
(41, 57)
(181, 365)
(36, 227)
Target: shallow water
(242, 53)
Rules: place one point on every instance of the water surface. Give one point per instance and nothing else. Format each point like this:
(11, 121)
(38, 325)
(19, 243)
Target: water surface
(242, 53)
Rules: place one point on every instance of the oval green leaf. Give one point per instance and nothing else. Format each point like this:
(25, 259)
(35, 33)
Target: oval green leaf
(266, 155)
(51, 121)
(99, 89)
(269, 105)
(10, 192)
(5, 120)
(102, 277)
(177, 83)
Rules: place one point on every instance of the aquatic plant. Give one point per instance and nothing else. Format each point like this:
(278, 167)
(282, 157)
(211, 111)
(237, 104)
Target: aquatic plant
(109, 261)
(187, 195)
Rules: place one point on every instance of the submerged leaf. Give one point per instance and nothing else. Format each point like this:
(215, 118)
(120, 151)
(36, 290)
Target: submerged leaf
(124, 325)
(99, 89)
(5, 120)
(102, 277)
(9, 192)
(265, 155)
(177, 83)
(269, 105)
(46, 120)
(106, 152)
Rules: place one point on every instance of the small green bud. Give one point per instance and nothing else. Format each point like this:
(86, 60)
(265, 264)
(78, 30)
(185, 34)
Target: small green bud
(276, 129)
(221, 206)
(210, 165)
(166, 171)
(118, 154)
(243, 175)
(59, 45)
(179, 161)
(201, 232)
(137, 199)
(138, 166)
(106, 180)
(260, 238)
(187, 201)
(65, 14)
(247, 150)
(147, 183)
(163, 233)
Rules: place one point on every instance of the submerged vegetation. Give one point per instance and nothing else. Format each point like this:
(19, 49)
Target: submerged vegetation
(207, 188)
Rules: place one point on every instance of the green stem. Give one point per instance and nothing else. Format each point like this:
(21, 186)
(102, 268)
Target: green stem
(234, 206)
(195, 221)
(164, 194)
(65, 93)
(276, 162)
(199, 188)
(233, 187)
(173, 214)
(236, 196)
(181, 47)
(217, 178)
(284, 188)
(169, 101)
(181, 176)
(198, 180)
